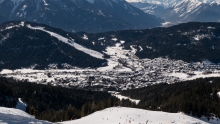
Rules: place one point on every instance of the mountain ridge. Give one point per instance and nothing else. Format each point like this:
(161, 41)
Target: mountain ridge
(169, 3)
(43, 45)
(183, 11)
(78, 15)
(38, 45)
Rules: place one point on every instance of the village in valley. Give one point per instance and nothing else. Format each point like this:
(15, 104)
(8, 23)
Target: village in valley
(124, 71)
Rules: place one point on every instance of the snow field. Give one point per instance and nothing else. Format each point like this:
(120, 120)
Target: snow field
(121, 115)
(15, 116)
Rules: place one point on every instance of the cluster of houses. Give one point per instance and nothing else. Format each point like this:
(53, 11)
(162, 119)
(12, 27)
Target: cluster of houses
(144, 72)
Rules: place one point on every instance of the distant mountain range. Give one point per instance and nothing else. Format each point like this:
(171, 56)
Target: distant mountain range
(178, 11)
(108, 15)
(169, 3)
(26, 44)
(79, 15)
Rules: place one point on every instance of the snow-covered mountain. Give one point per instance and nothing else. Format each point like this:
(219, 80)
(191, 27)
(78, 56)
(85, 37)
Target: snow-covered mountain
(182, 10)
(129, 13)
(149, 8)
(78, 15)
(192, 10)
(169, 3)
(164, 3)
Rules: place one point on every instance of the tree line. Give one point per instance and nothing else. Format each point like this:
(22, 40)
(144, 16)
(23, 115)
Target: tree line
(54, 104)
(197, 97)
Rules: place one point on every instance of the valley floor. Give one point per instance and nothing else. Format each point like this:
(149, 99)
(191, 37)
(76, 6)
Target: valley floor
(123, 71)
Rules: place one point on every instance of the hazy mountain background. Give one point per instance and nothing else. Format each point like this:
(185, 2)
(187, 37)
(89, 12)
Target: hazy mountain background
(79, 15)
(180, 11)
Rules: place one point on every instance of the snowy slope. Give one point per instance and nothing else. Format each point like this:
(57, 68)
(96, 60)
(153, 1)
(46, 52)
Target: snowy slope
(168, 3)
(21, 105)
(114, 115)
(15, 116)
(121, 115)
(70, 42)
(165, 3)
(177, 11)
(186, 6)
(190, 10)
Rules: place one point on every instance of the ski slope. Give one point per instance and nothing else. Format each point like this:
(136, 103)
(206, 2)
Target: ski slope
(16, 116)
(121, 115)
(70, 42)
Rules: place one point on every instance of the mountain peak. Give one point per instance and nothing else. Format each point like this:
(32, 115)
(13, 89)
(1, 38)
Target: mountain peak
(179, 11)
(79, 15)
(168, 3)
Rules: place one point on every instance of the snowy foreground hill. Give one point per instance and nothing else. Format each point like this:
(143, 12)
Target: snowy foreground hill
(121, 115)
(114, 115)
(16, 116)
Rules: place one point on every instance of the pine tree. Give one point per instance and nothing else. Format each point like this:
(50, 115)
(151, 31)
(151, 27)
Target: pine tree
(85, 109)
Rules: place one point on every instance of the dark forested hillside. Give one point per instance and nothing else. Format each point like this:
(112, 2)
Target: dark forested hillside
(54, 103)
(198, 97)
(190, 42)
(21, 46)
